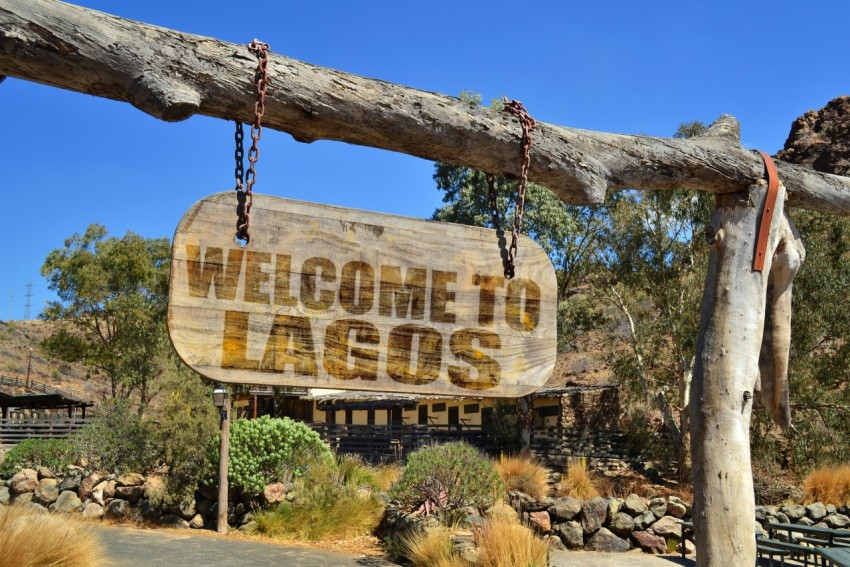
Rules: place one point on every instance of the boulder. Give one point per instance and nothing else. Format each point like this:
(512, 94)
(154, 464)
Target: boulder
(34, 508)
(554, 542)
(540, 522)
(109, 489)
(22, 499)
(186, 508)
(690, 548)
(679, 501)
(131, 479)
(645, 520)
(118, 509)
(47, 491)
(614, 505)
(44, 472)
(23, 482)
(88, 484)
(92, 511)
(209, 508)
(131, 494)
(67, 502)
(154, 486)
(4, 495)
(676, 510)
(667, 526)
(622, 524)
(149, 510)
(634, 505)
(648, 542)
(173, 521)
(831, 509)
(571, 534)
(804, 521)
(837, 521)
(816, 511)
(593, 514)
(249, 517)
(251, 527)
(603, 540)
(274, 493)
(97, 494)
(197, 522)
(72, 480)
(793, 511)
(658, 506)
(565, 509)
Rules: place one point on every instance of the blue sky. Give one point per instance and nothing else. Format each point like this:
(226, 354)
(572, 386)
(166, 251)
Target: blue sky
(68, 160)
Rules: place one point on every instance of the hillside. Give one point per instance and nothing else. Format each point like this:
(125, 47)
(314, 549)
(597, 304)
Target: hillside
(16, 340)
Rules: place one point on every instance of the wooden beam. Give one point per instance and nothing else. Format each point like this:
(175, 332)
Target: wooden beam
(173, 75)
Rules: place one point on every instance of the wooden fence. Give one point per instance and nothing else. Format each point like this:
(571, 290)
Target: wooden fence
(34, 386)
(395, 442)
(15, 430)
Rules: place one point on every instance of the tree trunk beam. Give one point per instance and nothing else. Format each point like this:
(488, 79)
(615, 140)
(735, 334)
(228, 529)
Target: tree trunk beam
(776, 342)
(173, 75)
(726, 374)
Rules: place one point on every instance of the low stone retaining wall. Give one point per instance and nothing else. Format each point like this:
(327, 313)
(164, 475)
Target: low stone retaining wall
(131, 496)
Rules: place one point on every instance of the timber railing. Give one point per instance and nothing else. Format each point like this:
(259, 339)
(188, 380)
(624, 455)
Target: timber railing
(34, 386)
(14, 430)
(395, 442)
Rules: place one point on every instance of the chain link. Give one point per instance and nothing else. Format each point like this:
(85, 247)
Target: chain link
(244, 190)
(528, 124)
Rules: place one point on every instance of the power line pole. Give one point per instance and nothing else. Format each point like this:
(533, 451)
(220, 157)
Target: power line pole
(28, 303)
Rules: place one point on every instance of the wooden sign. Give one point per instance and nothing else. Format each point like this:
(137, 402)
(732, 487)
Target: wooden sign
(326, 297)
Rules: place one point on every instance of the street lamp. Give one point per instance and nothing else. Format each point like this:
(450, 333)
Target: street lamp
(222, 401)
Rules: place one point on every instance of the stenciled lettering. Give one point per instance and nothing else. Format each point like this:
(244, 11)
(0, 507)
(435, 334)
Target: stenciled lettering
(282, 281)
(488, 371)
(338, 348)
(429, 354)
(323, 269)
(211, 272)
(522, 306)
(290, 343)
(357, 287)
(441, 296)
(234, 344)
(487, 297)
(408, 298)
(256, 277)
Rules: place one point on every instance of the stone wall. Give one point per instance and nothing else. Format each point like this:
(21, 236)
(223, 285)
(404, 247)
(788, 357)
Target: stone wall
(132, 496)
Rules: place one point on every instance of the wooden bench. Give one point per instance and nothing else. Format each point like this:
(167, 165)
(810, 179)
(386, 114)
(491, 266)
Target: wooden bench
(835, 556)
(794, 550)
(764, 549)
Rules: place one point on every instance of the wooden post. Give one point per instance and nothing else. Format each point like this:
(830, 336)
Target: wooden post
(726, 374)
(224, 450)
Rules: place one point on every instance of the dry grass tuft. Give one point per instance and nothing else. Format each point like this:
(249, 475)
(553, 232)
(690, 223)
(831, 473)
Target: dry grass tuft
(386, 474)
(577, 481)
(830, 485)
(505, 544)
(431, 548)
(32, 539)
(523, 472)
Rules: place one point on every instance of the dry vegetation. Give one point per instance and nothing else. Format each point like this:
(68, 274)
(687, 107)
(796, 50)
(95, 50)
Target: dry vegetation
(830, 485)
(31, 539)
(430, 548)
(506, 544)
(577, 481)
(523, 472)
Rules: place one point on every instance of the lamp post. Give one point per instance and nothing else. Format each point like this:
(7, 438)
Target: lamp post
(222, 401)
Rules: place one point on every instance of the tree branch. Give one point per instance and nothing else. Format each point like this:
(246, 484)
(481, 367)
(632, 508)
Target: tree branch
(173, 75)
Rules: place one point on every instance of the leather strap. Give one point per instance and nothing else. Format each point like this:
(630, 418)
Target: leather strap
(767, 212)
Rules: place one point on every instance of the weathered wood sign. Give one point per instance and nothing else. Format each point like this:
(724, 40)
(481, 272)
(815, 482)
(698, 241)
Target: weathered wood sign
(339, 298)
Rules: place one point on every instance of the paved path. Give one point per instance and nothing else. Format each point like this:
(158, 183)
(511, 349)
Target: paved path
(133, 547)
(631, 559)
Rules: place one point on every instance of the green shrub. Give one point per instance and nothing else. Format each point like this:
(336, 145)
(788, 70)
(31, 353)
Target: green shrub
(267, 450)
(353, 471)
(55, 454)
(184, 425)
(446, 478)
(324, 509)
(117, 440)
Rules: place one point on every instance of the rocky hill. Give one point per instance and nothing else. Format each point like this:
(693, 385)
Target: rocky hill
(820, 139)
(17, 340)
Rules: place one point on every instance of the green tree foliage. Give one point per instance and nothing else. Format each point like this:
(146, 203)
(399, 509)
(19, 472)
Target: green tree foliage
(117, 440)
(447, 478)
(183, 422)
(266, 450)
(55, 454)
(112, 298)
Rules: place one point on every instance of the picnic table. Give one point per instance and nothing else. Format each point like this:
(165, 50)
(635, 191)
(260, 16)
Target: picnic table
(827, 536)
(837, 556)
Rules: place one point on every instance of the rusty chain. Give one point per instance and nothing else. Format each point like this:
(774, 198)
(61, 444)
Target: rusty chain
(245, 180)
(528, 124)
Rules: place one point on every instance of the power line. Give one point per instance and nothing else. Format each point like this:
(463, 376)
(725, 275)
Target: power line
(29, 302)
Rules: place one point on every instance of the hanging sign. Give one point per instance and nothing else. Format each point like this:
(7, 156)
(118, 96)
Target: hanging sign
(327, 297)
